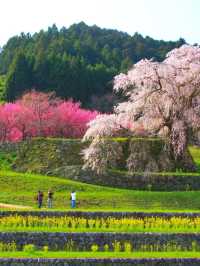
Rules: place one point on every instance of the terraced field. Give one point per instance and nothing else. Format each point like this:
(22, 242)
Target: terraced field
(120, 238)
(110, 226)
(110, 236)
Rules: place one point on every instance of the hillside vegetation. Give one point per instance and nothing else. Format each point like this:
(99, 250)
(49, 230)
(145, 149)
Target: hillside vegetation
(2, 86)
(79, 62)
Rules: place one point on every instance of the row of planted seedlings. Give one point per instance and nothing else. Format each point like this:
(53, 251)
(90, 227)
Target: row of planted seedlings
(116, 246)
(100, 224)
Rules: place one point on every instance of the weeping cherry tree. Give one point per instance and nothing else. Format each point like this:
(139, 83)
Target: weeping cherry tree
(163, 100)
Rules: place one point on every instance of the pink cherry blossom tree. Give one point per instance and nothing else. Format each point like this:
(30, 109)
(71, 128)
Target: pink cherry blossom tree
(6, 121)
(163, 100)
(70, 120)
(41, 106)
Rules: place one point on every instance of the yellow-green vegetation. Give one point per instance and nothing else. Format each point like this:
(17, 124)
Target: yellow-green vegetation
(99, 254)
(109, 224)
(21, 189)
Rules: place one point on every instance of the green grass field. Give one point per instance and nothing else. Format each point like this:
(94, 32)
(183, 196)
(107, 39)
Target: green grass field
(63, 254)
(21, 189)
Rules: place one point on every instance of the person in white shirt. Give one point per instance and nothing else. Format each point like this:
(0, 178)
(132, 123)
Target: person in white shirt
(73, 199)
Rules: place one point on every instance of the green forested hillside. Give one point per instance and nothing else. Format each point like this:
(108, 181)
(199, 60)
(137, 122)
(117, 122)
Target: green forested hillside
(78, 62)
(2, 86)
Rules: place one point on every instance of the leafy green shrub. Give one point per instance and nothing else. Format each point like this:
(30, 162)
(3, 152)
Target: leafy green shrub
(117, 246)
(94, 248)
(194, 246)
(30, 248)
(106, 247)
(127, 247)
(45, 248)
(11, 247)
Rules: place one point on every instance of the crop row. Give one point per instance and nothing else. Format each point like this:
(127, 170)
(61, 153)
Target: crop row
(129, 224)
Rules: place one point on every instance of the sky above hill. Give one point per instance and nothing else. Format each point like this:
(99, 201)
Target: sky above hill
(159, 19)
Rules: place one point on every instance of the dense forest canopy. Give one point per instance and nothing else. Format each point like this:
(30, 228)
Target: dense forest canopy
(79, 62)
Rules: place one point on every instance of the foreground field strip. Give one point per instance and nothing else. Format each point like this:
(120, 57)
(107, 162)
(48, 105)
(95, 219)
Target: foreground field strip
(14, 207)
(99, 254)
(56, 230)
(80, 224)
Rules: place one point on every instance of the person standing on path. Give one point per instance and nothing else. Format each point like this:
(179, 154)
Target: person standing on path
(50, 199)
(40, 198)
(73, 199)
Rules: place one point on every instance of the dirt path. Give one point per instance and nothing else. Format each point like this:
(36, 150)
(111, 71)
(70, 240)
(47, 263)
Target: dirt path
(12, 206)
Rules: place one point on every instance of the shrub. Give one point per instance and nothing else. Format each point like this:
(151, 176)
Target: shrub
(45, 248)
(127, 247)
(94, 248)
(30, 248)
(116, 246)
(11, 247)
(106, 248)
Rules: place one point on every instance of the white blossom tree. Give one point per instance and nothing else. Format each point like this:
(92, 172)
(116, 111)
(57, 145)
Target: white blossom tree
(163, 100)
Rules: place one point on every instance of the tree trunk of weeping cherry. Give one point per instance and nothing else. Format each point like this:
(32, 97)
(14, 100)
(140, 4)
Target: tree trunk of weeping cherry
(156, 156)
(135, 155)
(102, 154)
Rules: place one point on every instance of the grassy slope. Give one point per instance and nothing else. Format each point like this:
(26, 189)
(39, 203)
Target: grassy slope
(21, 189)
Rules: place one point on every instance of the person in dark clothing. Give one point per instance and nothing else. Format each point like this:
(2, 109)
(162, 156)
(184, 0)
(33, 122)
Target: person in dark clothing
(50, 199)
(40, 198)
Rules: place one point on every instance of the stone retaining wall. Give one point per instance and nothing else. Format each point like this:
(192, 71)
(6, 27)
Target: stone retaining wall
(99, 262)
(143, 181)
(84, 241)
(10, 146)
(62, 157)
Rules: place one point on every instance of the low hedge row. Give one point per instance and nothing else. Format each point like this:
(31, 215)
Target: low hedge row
(99, 262)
